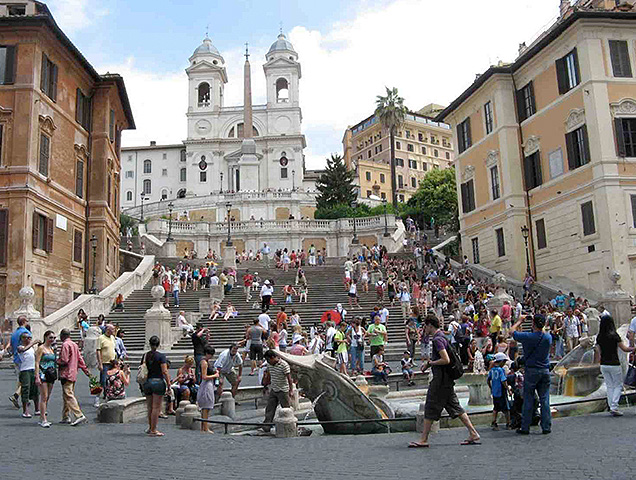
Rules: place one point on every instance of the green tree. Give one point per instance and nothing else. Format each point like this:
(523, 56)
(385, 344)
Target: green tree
(391, 112)
(436, 198)
(335, 185)
(126, 221)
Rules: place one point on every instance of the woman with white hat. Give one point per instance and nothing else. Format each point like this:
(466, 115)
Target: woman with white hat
(266, 295)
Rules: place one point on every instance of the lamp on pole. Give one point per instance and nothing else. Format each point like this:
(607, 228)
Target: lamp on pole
(355, 240)
(386, 221)
(293, 180)
(221, 190)
(94, 247)
(170, 207)
(525, 231)
(142, 205)
(228, 205)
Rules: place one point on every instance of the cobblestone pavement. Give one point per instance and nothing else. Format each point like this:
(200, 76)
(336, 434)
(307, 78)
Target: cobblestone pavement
(590, 447)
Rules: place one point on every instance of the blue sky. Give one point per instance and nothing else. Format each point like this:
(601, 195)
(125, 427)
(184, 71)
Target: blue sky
(348, 52)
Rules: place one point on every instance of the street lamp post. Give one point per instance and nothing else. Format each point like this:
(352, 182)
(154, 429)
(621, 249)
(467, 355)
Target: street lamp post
(293, 180)
(94, 247)
(228, 205)
(221, 190)
(142, 206)
(525, 231)
(386, 221)
(170, 207)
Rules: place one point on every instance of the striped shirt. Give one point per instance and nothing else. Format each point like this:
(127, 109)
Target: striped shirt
(278, 374)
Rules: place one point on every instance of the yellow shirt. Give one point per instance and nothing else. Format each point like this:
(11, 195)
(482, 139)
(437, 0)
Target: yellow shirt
(107, 347)
(495, 326)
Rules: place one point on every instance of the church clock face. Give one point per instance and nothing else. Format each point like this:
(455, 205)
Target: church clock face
(283, 161)
(203, 127)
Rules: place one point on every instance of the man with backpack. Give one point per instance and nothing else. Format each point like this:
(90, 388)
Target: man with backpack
(447, 368)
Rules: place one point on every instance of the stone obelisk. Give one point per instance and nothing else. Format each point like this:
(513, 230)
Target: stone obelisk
(248, 164)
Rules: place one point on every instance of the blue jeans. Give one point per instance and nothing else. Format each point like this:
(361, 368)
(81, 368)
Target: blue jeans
(357, 356)
(103, 375)
(175, 294)
(559, 350)
(536, 379)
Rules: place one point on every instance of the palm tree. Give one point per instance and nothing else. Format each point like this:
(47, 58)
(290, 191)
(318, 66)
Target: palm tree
(391, 112)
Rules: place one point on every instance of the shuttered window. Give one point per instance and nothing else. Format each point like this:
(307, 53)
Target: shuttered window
(625, 130)
(464, 139)
(79, 179)
(619, 55)
(587, 213)
(568, 75)
(501, 243)
(532, 170)
(4, 237)
(488, 120)
(525, 102)
(468, 196)
(111, 126)
(578, 147)
(48, 78)
(494, 180)
(542, 241)
(7, 64)
(83, 110)
(78, 244)
(42, 232)
(475, 245)
(45, 152)
(633, 202)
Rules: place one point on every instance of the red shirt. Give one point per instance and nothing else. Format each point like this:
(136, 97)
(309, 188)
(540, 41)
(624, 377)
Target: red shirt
(506, 311)
(71, 360)
(247, 280)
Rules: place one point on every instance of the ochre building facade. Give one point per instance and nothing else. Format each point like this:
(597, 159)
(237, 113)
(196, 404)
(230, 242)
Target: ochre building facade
(60, 131)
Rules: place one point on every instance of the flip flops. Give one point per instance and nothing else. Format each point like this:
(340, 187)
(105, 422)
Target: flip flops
(471, 442)
(418, 445)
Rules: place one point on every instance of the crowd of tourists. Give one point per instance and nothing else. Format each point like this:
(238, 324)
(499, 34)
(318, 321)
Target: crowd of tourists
(449, 320)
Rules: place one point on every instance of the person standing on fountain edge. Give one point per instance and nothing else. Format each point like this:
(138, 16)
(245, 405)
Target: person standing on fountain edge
(536, 351)
(441, 391)
(278, 377)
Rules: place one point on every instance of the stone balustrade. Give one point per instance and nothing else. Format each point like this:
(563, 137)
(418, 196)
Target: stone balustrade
(93, 305)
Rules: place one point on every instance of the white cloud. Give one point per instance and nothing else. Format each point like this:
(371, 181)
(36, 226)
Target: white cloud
(74, 15)
(429, 50)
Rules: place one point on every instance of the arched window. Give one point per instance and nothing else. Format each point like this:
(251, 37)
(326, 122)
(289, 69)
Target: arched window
(129, 196)
(147, 166)
(238, 131)
(181, 193)
(164, 194)
(183, 175)
(147, 187)
(204, 94)
(282, 91)
(183, 155)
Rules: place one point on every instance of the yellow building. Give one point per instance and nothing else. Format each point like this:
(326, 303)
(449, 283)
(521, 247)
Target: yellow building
(421, 144)
(549, 142)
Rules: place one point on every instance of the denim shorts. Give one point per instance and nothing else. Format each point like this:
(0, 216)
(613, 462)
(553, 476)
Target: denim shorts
(155, 386)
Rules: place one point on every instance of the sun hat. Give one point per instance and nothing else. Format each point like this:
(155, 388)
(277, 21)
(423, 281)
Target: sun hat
(500, 356)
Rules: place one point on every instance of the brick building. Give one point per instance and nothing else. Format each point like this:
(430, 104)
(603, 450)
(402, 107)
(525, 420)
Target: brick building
(60, 130)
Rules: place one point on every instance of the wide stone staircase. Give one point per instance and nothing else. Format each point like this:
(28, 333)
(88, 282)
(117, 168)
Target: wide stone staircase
(325, 292)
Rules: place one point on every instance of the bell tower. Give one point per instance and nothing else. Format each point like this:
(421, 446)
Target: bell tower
(207, 77)
(282, 73)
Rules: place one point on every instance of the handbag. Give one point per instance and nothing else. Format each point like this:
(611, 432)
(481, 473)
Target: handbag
(50, 375)
(630, 378)
(142, 372)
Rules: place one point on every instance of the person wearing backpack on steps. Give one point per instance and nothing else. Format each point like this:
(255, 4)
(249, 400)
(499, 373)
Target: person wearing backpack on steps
(441, 391)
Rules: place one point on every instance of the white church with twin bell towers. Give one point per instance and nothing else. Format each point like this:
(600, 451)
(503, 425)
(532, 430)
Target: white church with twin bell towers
(248, 159)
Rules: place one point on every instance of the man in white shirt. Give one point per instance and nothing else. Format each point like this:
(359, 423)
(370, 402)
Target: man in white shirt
(331, 331)
(183, 324)
(384, 314)
(266, 251)
(225, 364)
(266, 295)
(214, 279)
(405, 302)
(264, 320)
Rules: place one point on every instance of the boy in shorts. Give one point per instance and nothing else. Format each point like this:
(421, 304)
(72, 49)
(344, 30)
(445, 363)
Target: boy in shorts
(407, 368)
(498, 384)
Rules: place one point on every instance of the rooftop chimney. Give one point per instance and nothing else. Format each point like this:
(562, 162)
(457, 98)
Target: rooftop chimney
(153, 143)
(563, 8)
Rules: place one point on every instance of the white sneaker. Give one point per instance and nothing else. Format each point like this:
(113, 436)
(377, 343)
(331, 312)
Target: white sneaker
(44, 424)
(79, 421)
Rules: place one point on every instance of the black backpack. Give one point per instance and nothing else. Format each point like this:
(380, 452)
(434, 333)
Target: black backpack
(455, 369)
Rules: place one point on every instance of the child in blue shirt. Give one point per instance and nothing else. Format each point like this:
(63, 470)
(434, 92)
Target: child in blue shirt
(498, 384)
